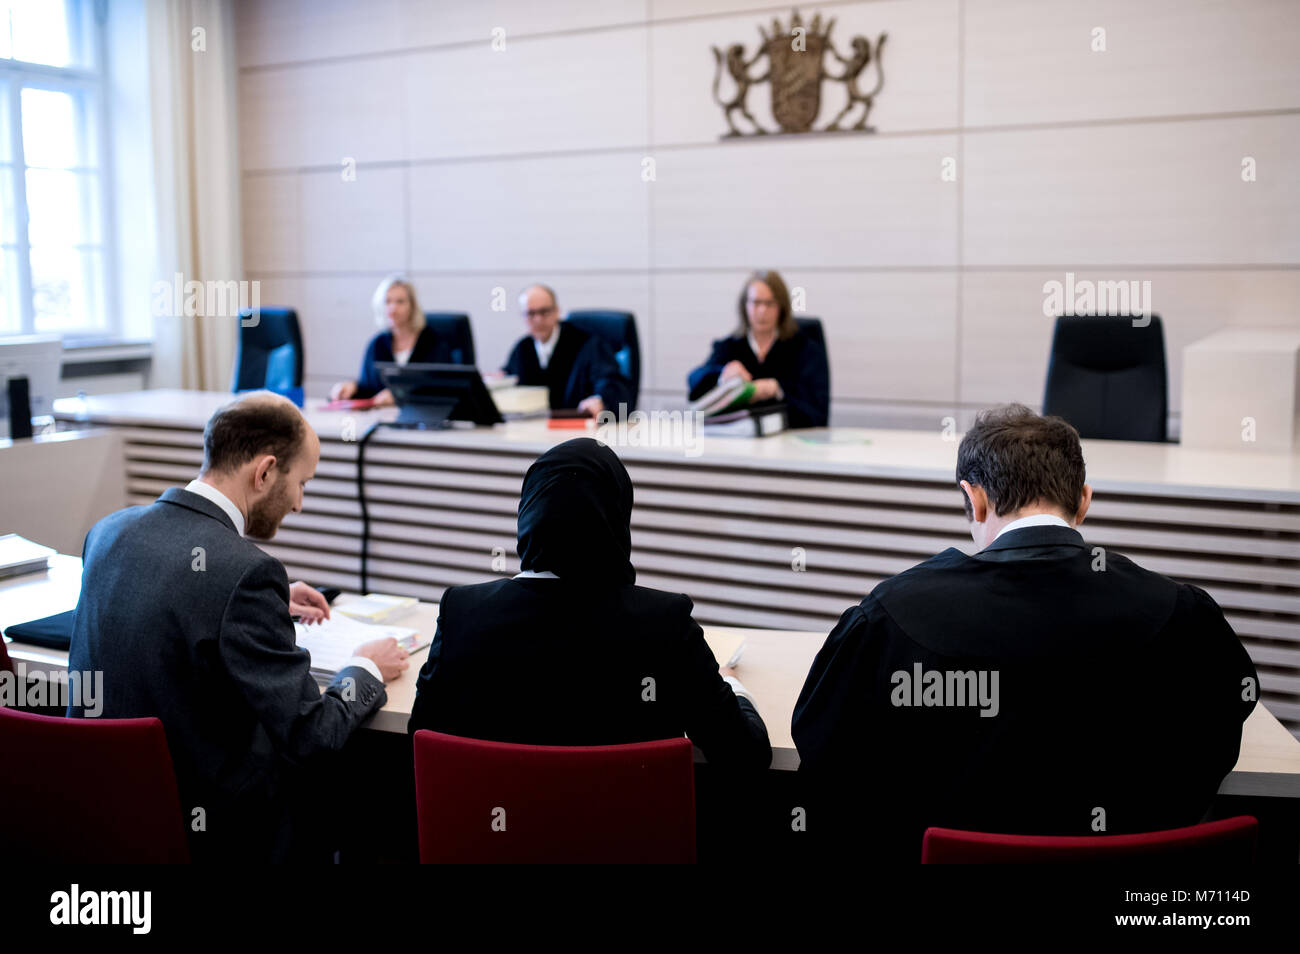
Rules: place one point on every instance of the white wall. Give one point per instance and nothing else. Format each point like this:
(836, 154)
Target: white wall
(478, 169)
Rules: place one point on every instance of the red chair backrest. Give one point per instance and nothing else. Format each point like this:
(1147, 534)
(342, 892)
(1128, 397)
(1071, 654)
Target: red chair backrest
(93, 791)
(498, 802)
(1231, 840)
(6, 664)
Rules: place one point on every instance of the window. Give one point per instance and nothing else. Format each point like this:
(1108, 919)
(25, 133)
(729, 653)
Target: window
(54, 197)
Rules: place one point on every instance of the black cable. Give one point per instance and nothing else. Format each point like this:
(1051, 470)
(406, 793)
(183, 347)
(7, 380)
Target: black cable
(361, 498)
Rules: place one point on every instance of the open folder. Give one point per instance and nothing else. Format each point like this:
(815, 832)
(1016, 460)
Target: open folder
(332, 641)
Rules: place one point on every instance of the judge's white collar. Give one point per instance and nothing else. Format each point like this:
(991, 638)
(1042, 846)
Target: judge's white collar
(1034, 520)
(547, 348)
(535, 575)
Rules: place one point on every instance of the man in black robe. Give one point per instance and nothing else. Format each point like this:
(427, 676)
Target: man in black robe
(1042, 685)
(579, 368)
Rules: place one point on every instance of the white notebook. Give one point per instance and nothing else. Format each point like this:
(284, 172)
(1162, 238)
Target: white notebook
(20, 555)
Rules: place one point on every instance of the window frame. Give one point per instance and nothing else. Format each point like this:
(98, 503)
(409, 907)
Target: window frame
(88, 32)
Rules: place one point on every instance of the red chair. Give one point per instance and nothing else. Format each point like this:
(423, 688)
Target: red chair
(6, 664)
(498, 802)
(91, 791)
(1230, 841)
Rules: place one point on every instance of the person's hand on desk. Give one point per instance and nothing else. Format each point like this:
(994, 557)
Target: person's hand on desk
(734, 369)
(387, 655)
(384, 398)
(592, 405)
(766, 389)
(343, 391)
(725, 671)
(307, 603)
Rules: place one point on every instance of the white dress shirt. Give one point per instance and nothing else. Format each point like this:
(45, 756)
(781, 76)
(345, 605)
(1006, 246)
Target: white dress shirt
(208, 492)
(547, 348)
(403, 356)
(753, 346)
(732, 681)
(1034, 520)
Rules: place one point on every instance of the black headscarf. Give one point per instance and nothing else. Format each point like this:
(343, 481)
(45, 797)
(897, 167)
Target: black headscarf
(575, 514)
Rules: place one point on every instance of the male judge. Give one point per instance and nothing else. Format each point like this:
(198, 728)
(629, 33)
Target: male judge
(579, 368)
(190, 623)
(1043, 685)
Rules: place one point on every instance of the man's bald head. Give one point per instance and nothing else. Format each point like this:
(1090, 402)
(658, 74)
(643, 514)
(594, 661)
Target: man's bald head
(541, 311)
(538, 296)
(255, 425)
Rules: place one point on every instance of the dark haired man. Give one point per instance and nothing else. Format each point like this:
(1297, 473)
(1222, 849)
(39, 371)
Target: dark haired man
(1039, 686)
(190, 623)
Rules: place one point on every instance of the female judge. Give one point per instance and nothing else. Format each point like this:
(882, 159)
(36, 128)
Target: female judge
(561, 653)
(786, 364)
(405, 338)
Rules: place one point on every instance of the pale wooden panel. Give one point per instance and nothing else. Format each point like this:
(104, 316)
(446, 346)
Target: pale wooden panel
(675, 9)
(566, 212)
(433, 22)
(335, 317)
(888, 335)
(271, 230)
(920, 64)
(840, 201)
(287, 31)
(1006, 338)
(320, 114)
(284, 31)
(354, 225)
(1156, 193)
(545, 94)
(1031, 61)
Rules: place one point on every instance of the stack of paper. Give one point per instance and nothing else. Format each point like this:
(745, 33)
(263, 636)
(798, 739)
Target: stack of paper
(518, 402)
(332, 642)
(375, 607)
(728, 395)
(19, 555)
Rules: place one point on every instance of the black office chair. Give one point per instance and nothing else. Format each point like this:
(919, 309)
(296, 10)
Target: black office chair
(1107, 377)
(452, 329)
(269, 353)
(812, 327)
(619, 329)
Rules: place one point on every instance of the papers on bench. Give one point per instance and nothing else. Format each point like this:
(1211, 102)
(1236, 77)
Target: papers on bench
(332, 642)
(19, 555)
(727, 396)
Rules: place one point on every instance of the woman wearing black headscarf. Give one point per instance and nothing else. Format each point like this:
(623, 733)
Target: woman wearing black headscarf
(571, 651)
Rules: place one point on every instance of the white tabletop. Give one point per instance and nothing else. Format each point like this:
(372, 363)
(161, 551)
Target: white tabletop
(1114, 466)
(772, 667)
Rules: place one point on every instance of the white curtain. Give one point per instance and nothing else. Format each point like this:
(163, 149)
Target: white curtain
(193, 85)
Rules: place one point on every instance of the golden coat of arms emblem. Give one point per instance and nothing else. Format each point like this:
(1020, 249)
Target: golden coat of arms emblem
(796, 66)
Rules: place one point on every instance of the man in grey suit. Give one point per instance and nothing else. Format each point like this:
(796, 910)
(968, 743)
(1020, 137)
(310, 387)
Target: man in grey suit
(190, 622)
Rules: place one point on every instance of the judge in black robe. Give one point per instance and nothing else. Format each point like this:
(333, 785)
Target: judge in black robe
(580, 368)
(793, 368)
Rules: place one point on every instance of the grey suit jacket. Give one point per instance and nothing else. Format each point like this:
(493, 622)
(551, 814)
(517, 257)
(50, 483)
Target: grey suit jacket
(189, 622)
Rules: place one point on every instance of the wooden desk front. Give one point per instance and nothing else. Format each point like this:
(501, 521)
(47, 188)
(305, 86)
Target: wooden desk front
(781, 533)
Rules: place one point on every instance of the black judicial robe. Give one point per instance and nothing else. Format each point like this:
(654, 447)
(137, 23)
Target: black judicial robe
(429, 349)
(581, 365)
(798, 363)
(1118, 689)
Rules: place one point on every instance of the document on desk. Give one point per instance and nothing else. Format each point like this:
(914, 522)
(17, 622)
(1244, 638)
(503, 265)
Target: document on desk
(332, 642)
